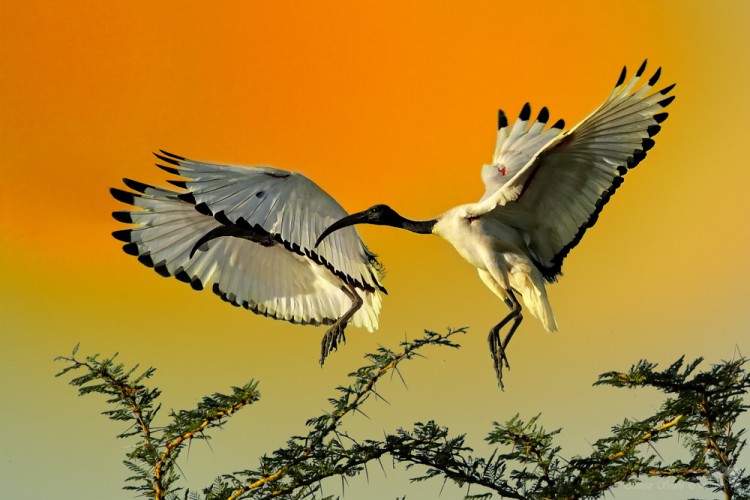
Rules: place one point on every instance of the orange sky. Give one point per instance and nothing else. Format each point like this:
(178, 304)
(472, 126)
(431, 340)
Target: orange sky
(378, 102)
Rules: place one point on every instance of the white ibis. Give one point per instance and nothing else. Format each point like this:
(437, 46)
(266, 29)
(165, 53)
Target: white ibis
(544, 188)
(249, 234)
(274, 242)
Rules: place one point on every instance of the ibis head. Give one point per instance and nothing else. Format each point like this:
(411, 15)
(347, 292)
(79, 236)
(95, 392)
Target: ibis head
(381, 215)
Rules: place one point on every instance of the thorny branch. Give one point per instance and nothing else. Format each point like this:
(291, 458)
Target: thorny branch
(701, 410)
(365, 379)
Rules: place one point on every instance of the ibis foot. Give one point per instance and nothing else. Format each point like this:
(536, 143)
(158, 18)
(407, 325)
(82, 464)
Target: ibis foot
(497, 346)
(498, 355)
(335, 334)
(331, 340)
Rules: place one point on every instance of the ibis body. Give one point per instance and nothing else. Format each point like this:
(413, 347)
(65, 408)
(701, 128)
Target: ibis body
(274, 242)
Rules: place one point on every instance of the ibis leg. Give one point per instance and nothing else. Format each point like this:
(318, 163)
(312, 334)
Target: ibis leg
(335, 334)
(498, 345)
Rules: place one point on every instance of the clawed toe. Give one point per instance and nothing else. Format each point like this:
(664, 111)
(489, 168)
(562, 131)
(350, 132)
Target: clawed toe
(498, 356)
(331, 340)
(498, 346)
(503, 357)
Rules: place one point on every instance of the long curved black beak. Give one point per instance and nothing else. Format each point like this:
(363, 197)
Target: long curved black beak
(349, 220)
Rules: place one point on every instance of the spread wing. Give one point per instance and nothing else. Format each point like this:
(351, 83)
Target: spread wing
(563, 187)
(248, 234)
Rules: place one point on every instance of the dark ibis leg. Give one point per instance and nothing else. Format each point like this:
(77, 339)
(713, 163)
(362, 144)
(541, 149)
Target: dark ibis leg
(335, 334)
(497, 345)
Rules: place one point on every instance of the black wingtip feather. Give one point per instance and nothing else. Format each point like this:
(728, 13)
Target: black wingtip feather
(623, 74)
(146, 260)
(161, 269)
(665, 102)
(135, 185)
(187, 197)
(666, 90)
(167, 159)
(122, 216)
(647, 144)
(655, 78)
(543, 115)
(642, 68)
(652, 130)
(172, 155)
(243, 224)
(203, 209)
(123, 196)
(660, 117)
(179, 184)
(559, 124)
(130, 249)
(122, 235)
(221, 217)
(171, 170)
(525, 112)
(181, 275)
(196, 284)
(502, 120)
(638, 156)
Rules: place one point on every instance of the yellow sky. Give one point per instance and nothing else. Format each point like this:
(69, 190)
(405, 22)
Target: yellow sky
(378, 102)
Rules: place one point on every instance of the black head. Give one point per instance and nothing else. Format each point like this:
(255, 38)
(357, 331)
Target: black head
(382, 215)
(378, 214)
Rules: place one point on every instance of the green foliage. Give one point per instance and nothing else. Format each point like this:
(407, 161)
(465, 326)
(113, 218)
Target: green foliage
(700, 411)
(704, 407)
(152, 460)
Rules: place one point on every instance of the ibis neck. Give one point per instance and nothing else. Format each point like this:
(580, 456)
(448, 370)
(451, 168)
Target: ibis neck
(417, 226)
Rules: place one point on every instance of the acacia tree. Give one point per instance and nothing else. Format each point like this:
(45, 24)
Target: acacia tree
(699, 411)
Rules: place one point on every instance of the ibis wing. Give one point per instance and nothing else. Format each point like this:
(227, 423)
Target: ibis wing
(516, 145)
(286, 205)
(263, 272)
(565, 185)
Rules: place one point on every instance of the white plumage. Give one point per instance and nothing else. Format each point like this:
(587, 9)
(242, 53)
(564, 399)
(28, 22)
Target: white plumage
(544, 188)
(274, 242)
(267, 262)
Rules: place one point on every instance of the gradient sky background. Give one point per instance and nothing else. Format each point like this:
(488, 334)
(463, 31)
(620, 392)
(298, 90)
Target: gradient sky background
(382, 102)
